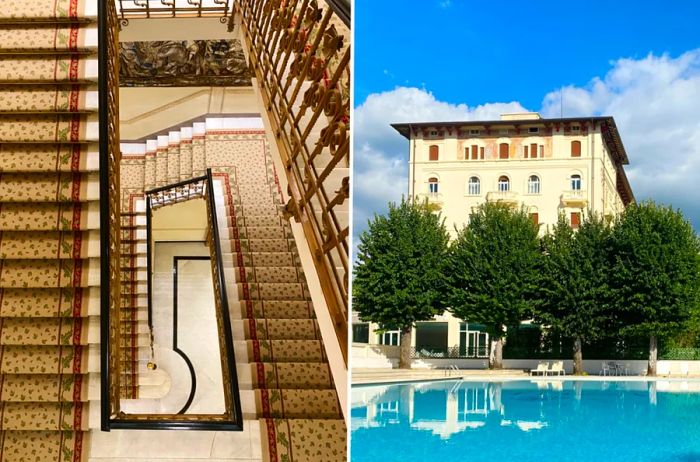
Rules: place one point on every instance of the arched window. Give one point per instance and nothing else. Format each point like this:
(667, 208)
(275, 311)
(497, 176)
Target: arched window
(575, 149)
(433, 152)
(503, 149)
(576, 182)
(533, 184)
(503, 183)
(433, 185)
(474, 186)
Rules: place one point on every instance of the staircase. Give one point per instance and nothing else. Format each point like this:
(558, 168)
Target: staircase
(284, 375)
(49, 228)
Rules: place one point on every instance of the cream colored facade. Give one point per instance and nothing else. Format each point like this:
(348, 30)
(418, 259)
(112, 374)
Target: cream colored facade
(551, 183)
(578, 167)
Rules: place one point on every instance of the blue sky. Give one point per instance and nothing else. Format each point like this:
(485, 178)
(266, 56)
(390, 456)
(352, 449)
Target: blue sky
(450, 60)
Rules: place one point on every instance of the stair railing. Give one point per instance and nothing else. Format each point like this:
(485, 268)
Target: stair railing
(301, 61)
(110, 232)
(137, 9)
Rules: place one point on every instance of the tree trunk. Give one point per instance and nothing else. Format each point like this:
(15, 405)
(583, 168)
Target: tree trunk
(578, 357)
(496, 356)
(653, 350)
(405, 348)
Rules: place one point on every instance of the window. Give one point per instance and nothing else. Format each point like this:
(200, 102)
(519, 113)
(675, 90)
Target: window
(433, 152)
(503, 183)
(533, 130)
(474, 131)
(575, 149)
(503, 149)
(525, 152)
(360, 332)
(575, 219)
(575, 128)
(541, 151)
(433, 185)
(481, 153)
(533, 150)
(533, 185)
(535, 217)
(466, 153)
(433, 133)
(503, 131)
(474, 186)
(576, 182)
(391, 337)
(475, 152)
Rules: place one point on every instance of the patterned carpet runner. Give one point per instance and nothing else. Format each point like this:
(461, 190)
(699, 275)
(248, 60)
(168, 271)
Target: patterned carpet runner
(49, 227)
(295, 398)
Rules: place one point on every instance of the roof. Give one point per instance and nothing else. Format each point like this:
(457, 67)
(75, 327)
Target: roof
(608, 129)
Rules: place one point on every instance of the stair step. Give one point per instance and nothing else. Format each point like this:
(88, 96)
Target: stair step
(50, 273)
(49, 187)
(297, 404)
(45, 445)
(285, 351)
(316, 440)
(48, 69)
(48, 38)
(43, 359)
(280, 329)
(43, 303)
(279, 309)
(49, 157)
(291, 375)
(272, 291)
(48, 128)
(44, 416)
(49, 10)
(43, 388)
(49, 216)
(49, 244)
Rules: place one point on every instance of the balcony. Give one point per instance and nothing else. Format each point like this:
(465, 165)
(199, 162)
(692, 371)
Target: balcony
(575, 198)
(507, 197)
(432, 197)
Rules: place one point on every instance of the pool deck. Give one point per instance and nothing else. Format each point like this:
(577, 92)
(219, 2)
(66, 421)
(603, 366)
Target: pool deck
(384, 376)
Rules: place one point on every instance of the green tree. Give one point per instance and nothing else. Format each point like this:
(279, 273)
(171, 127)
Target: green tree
(655, 272)
(491, 271)
(398, 272)
(575, 296)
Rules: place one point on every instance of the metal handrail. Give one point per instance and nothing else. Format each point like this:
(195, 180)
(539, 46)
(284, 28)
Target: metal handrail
(155, 9)
(110, 231)
(301, 62)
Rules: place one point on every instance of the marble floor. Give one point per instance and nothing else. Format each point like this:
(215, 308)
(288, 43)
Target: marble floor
(197, 335)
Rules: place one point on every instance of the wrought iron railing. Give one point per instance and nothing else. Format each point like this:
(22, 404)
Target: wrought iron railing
(300, 53)
(137, 9)
(477, 352)
(110, 221)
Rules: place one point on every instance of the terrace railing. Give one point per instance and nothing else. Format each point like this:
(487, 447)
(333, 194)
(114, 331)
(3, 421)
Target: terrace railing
(300, 53)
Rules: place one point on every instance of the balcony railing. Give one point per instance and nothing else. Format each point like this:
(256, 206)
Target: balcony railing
(509, 197)
(300, 54)
(432, 197)
(137, 9)
(575, 197)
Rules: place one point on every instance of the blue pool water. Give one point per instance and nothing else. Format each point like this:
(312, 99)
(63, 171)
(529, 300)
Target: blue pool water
(526, 421)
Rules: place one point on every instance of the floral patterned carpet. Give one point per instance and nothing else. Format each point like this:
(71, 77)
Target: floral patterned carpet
(49, 227)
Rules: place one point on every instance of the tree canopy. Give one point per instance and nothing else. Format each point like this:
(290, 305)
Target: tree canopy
(491, 270)
(398, 272)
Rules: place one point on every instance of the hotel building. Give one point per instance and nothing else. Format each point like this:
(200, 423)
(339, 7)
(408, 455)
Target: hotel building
(566, 166)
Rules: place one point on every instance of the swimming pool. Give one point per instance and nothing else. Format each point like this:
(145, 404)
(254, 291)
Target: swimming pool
(526, 421)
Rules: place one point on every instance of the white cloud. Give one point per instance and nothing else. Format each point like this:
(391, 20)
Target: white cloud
(654, 101)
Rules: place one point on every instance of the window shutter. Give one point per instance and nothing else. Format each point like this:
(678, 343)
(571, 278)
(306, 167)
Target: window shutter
(475, 151)
(481, 153)
(434, 153)
(535, 217)
(575, 149)
(525, 151)
(575, 219)
(503, 151)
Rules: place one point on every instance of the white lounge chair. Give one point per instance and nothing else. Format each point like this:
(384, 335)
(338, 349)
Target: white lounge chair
(557, 368)
(541, 369)
(604, 368)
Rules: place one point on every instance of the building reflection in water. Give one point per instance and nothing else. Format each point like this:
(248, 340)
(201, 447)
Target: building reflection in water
(445, 408)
